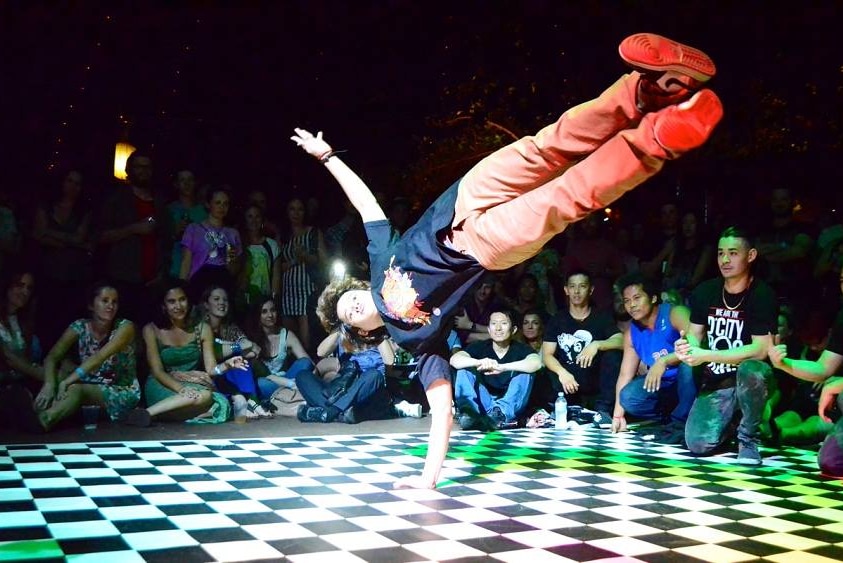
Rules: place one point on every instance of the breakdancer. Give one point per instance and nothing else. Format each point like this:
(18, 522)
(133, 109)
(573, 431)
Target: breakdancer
(507, 207)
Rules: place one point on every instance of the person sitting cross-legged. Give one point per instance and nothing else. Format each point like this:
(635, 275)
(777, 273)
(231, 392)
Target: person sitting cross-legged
(494, 376)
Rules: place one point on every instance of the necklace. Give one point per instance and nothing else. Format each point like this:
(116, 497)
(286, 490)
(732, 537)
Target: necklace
(745, 292)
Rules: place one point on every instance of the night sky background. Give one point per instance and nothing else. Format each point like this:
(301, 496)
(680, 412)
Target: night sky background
(218, 87)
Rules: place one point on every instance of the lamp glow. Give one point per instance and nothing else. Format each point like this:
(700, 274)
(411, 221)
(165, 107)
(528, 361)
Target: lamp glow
(121, 154)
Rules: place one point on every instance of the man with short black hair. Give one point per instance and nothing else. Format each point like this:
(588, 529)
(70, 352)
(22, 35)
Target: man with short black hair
(650, 339)
(494, 377)
(732, 320)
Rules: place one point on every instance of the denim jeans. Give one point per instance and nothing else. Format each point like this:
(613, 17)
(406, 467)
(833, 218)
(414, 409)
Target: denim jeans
(266, 387)
(710, 422)
(470, 394)
(682, 390)
(830, 458)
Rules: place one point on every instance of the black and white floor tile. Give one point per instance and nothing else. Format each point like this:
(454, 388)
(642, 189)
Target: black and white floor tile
(519, 495)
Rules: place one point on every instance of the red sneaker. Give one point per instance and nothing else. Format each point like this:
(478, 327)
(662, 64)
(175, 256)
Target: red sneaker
(680, 128)
(670, 72)
(648, 52)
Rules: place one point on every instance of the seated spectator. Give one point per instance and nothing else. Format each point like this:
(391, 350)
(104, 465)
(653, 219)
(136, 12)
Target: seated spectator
(494, 377)
(577, 349)
(732, 320)
(237, 382)
(106, 375)
(20, 352)
(357, 392)
(277, 345)
(180, 354)
(668, 384)
(210, 250)
(61, 229)
(532, 330)
(830, 458)
(261, 272)
(821, 371)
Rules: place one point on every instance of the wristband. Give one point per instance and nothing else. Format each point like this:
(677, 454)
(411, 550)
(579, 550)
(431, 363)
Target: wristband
(217, 370)
(236, 349)
(80, 372)
(326, 157)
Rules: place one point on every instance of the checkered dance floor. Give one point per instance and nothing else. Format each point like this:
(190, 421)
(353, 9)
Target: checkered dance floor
(520, 495)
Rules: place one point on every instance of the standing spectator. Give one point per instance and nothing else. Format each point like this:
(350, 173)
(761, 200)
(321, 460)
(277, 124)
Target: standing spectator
(185, 210)
(303, 259)
(270, 227)
(732, 319)
(61, 229)
(593, 253)
(260, 275)
(494, 377)
(473, 323)
(106, 375)
(667, 390)
(576, 350)
(210, 249)
(130, 228)
(785, 245)
(9, 235)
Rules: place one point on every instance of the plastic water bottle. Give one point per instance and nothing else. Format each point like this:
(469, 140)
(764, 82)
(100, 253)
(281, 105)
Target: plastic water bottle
(560, 411)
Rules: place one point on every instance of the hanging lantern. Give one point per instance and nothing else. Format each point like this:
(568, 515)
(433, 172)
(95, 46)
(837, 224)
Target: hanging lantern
(121, 154)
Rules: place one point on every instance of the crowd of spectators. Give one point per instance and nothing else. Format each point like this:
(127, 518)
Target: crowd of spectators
(185, 268)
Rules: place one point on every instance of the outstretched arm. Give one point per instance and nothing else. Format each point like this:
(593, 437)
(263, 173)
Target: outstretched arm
(358, 193)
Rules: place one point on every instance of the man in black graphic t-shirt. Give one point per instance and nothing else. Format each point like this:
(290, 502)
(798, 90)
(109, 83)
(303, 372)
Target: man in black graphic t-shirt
(732, 319)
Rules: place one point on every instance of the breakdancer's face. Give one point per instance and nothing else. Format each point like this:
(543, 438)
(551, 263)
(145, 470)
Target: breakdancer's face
(356, 308)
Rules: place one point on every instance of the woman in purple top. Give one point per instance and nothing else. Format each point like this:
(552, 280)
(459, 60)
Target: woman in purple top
(210, 250)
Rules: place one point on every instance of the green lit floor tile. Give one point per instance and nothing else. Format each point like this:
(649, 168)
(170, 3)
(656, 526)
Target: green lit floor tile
(30, 550)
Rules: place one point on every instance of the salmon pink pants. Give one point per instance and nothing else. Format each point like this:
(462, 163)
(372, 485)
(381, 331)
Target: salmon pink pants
(519, 197)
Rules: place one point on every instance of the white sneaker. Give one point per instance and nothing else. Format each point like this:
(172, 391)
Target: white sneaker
(411, 410)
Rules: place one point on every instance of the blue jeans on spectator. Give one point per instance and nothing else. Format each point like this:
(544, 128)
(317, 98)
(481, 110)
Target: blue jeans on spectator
(682, 390)
(471, 394)
(266, 387)
(830, 458)
(710, 422)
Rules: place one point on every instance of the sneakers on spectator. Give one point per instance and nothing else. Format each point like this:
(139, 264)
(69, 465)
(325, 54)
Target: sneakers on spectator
(137, 417)
(672, 433)
(670, 71)
(686, 126)
(748, 453)
(497, 416)
(257, 410)
(470, 420)
(310, 414)
(411, 410)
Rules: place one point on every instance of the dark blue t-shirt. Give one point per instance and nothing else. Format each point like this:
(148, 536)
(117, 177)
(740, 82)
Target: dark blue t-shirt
(418, 282)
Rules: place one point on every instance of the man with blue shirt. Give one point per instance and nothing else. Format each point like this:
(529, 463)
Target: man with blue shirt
(650, 338)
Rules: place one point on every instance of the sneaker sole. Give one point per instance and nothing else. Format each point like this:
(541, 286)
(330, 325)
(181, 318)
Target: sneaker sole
(653, 52)
(700, 115)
